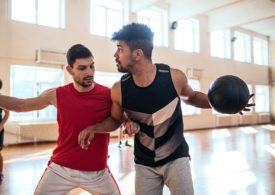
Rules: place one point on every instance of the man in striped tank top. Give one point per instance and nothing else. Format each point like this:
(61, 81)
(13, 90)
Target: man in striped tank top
(149, 94)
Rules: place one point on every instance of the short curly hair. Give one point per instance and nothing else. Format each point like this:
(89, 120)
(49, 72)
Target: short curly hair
(136, 36)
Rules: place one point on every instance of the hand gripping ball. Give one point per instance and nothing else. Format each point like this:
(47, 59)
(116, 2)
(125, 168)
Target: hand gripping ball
(228, 94)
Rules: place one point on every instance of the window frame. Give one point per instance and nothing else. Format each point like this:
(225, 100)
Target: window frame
(35, 14)
(105, 31)
(36, 86)
(195, 32)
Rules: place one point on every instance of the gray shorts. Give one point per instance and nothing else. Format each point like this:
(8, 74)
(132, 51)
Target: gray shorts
(175, 174)
(58, 180)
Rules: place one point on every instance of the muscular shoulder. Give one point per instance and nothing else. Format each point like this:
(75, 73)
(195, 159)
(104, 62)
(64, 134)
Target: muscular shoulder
(49, 96)
(179, 79)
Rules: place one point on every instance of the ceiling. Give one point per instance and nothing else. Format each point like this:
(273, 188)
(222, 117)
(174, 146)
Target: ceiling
(254, 15)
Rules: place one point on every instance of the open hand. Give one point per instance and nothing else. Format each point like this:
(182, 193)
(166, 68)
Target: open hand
(248, 106)
(85, 138)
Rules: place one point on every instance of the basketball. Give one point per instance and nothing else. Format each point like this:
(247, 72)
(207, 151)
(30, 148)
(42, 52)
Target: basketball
(228, 94)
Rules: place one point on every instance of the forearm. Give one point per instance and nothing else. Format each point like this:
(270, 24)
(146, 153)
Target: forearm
(108, 125)
(20, 105)
(199, 100)
(11, 103)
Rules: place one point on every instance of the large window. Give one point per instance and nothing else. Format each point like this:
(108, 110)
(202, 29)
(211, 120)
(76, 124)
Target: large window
(187, 109)
(260, 51)
(251, 100)
(107, 78)
(28, 82)
(262, 98)
(106, 17)
(43, 12)
(242, 47)
(155, 19)
(187, 35)
(220, 44)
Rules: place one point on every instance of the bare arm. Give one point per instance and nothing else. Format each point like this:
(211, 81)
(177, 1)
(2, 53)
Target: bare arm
(191, 97)
(112, 122)
(109, 124)
(47, 98)
(4, 120)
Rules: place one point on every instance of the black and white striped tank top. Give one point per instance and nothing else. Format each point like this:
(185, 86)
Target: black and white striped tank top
(157, 109)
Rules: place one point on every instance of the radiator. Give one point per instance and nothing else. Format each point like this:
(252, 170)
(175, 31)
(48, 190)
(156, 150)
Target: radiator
(246, 119)
(50, 57)
(264, 118)
(30, 132)
(224, 121)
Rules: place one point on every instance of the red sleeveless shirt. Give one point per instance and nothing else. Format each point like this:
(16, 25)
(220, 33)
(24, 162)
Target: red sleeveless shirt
(76, 111)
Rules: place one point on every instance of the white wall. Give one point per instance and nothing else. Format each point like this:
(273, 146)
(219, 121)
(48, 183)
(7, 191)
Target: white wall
(19, 41)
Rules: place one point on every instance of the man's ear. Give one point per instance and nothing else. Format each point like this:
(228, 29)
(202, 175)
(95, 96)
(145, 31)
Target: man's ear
(69, 69)
(139, 54)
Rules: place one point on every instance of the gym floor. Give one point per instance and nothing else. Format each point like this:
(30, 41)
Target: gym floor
(225, 161)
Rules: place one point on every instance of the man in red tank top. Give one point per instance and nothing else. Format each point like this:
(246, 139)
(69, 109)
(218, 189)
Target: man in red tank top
(79, 104)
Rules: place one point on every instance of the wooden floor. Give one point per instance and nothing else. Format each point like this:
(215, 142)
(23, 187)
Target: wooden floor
(235, 161)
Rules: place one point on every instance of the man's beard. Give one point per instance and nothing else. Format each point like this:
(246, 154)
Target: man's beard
(83, 83)
(123, 69)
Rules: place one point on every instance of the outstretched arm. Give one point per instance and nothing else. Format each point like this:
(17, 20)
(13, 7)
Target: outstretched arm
(189, 96)
(194, 98)
(48, 97)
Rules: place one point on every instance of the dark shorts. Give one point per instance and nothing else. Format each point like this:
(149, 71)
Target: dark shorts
(1, 139)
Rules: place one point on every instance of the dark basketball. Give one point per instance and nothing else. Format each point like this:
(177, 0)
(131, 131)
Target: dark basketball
(228, 94)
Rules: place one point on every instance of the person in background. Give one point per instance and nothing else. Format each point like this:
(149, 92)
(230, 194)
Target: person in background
(3, 120)
(123, 136)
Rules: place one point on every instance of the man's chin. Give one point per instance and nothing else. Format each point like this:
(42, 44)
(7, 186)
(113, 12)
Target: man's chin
(122, 70)
(87, 84)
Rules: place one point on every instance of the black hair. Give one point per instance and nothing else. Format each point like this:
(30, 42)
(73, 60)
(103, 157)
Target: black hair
(77, 51)
(1, 84)
(136, 36)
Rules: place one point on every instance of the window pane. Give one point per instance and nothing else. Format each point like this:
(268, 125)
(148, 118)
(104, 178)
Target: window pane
(251, 100)
(102, 17)
(49, 112)
(113, 26)
(23, 10)
(107, 78)
(28, 82)
(115, 4)
(102, 3)
(153, 19)
(242, 47)
(156, 28)
(43, 12)
(49, 13)
(187, 36)
(260, 51)
(187, 109)
(98, 20)
(262, 98)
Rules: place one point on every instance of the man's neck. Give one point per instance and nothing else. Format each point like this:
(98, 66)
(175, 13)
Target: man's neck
(81, 89)
(144, 74)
